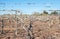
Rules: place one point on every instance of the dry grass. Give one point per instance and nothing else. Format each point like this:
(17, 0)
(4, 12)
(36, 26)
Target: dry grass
(44, 27)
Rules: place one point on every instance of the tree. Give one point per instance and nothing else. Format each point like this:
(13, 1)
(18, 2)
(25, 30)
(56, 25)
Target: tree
(44, 12)
(54, 13)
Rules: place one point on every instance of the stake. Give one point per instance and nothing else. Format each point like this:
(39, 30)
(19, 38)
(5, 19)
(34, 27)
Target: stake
(2, 26)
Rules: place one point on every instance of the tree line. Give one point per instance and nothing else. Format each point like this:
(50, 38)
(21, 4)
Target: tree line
(46, 13)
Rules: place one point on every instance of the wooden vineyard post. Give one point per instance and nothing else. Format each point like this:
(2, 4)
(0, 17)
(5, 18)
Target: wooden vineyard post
(16, 22)
(2, 26)
(16, 18)
(30, 30)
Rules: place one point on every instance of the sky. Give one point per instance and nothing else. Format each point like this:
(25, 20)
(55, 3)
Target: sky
(30, 6)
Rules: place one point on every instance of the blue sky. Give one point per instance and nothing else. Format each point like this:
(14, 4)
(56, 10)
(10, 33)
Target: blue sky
(30, 6)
